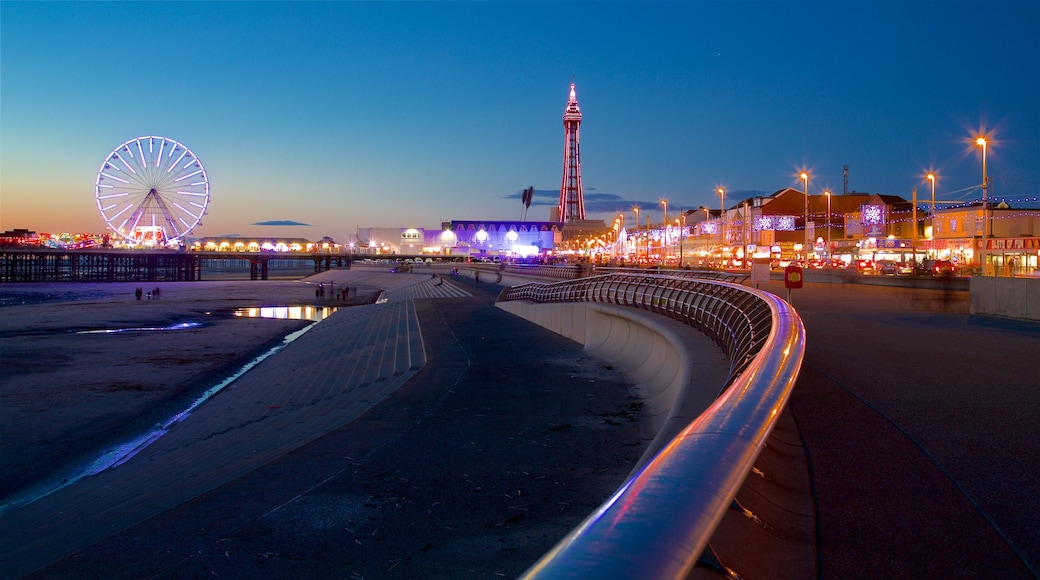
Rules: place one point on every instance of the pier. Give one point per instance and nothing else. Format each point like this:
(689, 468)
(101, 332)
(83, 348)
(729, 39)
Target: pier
(52, 265)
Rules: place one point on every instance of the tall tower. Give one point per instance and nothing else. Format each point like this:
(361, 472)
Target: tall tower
(572, 201)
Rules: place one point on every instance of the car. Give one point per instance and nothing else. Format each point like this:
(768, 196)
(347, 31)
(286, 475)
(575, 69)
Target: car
(894, 268)
(865, 266)
(942, 268)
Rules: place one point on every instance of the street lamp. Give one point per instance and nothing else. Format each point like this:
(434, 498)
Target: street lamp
(635, 238)
(744, 236)
(722, 233)
(805, 234)
(829, 260)
(664, 230)
(680, 240)
(981, 142)
(931, 178)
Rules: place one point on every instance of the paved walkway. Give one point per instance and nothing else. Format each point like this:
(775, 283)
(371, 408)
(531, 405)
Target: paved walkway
(482, 463)
(919, 423)
(921, 428)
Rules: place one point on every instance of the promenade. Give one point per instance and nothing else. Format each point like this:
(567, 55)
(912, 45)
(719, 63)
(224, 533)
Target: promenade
(365, 448)
(918, 420)
(920, 424)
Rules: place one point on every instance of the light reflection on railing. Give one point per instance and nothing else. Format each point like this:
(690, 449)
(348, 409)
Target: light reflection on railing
(660, 520)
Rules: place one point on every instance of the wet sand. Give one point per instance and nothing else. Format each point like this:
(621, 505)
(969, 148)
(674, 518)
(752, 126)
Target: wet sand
(67, 393)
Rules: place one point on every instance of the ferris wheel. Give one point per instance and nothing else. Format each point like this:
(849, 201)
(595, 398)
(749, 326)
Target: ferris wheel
(152, 190)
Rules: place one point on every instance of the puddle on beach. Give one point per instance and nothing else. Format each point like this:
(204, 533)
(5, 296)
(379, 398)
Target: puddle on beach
(178, 326)
(312, 313)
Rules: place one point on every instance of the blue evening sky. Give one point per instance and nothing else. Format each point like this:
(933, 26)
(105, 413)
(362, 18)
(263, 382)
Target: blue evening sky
(341, 114)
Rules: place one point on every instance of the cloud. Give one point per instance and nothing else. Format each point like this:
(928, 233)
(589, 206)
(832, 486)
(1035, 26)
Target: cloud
(280, 223)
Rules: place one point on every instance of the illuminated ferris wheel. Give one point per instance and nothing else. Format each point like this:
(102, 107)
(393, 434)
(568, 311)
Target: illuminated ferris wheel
(152, 190)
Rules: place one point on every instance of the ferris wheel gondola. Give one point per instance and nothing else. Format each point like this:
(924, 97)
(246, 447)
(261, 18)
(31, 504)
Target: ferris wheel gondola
(152, 190)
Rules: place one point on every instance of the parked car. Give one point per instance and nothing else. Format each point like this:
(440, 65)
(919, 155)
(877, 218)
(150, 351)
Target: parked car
(942, 268)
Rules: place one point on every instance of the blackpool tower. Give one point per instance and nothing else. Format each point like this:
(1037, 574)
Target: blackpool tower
(572, 202)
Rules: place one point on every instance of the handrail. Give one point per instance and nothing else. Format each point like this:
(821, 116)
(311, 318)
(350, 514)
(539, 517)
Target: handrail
(660, 520)
(574, 271)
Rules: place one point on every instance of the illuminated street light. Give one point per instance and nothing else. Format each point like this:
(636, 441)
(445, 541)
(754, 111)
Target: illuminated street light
(828, 194)
(931, 178)
(722, 233)
(805, 234)
(664, 230)
(981, 142)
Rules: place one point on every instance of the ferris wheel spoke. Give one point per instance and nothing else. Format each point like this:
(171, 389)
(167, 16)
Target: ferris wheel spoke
(185, 210)
(129, 166)
(177, 162)
(144, 162)
(119, 179)
(162, 145)
(111, 195)
(187, 176)
(122, 211)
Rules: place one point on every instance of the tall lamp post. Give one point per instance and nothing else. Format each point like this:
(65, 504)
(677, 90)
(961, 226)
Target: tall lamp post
(679, 222)
(703, 235)
(830, 261)
(648, 238)
(744, 237)
(931, 178)
(981, 142)
(635, 209)
(805, 233)
(722, 221)
(664, 230)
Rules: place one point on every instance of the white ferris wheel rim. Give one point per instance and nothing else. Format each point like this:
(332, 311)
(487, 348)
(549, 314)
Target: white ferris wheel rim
(152, 183)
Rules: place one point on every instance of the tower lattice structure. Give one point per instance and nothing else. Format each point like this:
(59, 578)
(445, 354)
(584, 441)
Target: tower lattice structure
(572, 201)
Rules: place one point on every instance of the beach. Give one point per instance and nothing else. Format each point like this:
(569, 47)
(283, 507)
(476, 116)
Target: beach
(71, 386)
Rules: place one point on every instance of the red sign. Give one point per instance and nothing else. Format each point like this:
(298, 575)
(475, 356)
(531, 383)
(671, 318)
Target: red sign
(793, 276)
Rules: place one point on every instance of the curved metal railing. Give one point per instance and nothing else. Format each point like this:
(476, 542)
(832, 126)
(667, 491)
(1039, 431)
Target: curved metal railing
(574, 271)
(660, 520)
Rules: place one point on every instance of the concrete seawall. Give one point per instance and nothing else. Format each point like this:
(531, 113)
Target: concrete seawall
(675, 371)
(1006, 297)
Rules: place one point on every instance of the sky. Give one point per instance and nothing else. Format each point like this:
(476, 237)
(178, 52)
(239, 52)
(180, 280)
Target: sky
(316, 119)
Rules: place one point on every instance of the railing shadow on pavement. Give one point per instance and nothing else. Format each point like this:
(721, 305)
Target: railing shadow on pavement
(659, 522)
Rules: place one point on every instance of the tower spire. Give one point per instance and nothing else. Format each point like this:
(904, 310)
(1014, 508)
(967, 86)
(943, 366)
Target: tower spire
(572, 201)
